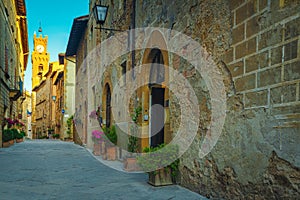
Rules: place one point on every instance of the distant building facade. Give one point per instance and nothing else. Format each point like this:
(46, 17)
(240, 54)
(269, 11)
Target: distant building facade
(78, 48)
(26, 114)
(69, 94)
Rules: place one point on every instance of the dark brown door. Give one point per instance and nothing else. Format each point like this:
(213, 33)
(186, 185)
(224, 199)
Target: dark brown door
(157, 116)
(108, 106)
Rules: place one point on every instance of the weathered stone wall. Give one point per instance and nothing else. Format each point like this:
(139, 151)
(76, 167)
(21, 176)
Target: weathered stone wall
(43, 120)
(255, 44)
(81, 91)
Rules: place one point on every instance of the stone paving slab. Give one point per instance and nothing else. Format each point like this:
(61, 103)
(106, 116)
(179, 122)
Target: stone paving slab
(52, 169)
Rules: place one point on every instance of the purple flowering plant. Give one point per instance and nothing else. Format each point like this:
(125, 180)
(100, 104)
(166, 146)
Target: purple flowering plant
(10, 121)
(93, 114)
(97, 136)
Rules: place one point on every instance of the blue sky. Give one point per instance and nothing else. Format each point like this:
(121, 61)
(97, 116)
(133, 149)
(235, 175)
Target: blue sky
(56, 18)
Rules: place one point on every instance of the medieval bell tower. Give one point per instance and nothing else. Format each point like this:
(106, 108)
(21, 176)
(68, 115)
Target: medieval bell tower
(40, 66)
(39, 59)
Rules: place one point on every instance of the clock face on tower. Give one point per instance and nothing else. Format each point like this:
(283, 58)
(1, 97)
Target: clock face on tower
(40, 48)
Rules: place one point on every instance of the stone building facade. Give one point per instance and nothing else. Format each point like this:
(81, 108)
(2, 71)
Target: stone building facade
(13, 59)
(255, 47)
(42, 105)
(58, 83)
(78, 48)
(69, 94)
(26, 114)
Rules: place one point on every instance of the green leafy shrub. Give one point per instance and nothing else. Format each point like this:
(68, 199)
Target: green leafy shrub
(14, 133)
(111, 134)
(7, 135)
(70, 124)
(42, 137)
(160, 157)
(133, 140)
(23, 133)
(19, 136)
(56, 135)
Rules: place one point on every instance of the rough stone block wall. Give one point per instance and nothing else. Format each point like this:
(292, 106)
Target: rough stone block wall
(257, 155)
(256, 45)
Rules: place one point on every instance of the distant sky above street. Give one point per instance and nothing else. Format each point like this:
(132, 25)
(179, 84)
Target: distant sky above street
(56, 18)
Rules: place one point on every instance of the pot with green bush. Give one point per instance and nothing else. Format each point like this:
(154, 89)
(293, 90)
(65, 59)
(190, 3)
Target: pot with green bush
(161, 164)
(130, 162)
(110, 143)
(55, 136)
(20, 137)
(7, 136)
(14, 133)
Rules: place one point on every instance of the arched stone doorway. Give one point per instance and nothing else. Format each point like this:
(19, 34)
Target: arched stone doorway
(155, 95)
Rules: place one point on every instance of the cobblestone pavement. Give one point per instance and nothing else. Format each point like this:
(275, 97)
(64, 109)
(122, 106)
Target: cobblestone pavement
(49, 169)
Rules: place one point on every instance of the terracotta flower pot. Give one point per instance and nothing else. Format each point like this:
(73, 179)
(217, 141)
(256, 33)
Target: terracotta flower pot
(19, 140)
(111, 153)
(96, 150)
(102, 148)
(6, 144)
(130, 164)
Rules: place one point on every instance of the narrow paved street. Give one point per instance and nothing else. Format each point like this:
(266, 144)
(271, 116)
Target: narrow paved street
(45, 169)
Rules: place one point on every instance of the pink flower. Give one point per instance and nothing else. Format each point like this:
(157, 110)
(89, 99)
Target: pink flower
(93, 114)
(97, 135)
(10, 121)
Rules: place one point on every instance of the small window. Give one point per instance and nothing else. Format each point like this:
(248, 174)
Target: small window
(61, 59)
(41, 68)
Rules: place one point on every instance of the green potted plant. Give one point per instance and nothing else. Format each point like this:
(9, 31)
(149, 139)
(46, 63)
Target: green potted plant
(130, 163)
(19, 137)
(7, 137)
(160, 163)
(14, 133)
(112, 139)
(56, 136)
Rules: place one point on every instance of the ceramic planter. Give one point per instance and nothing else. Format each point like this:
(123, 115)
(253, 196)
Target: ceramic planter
(160, 177)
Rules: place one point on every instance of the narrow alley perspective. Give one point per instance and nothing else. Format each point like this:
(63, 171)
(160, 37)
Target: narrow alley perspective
(51, 169)
(153, 99)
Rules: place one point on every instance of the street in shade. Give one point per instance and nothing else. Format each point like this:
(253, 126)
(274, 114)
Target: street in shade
(53, 169)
